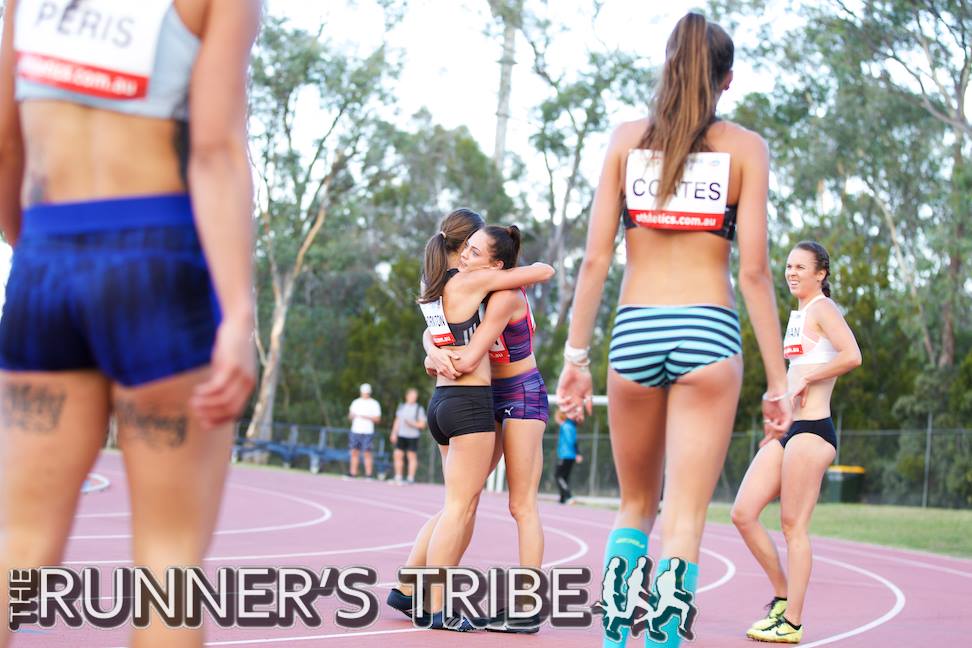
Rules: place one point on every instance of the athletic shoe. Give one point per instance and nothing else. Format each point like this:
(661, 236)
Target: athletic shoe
(439, 622)
(780, 632)
(347, 477)
(776, 608)
(411, 480)
(400, 601)
(500, 623)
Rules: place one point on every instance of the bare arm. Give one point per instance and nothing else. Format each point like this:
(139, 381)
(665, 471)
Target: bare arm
(499, 310)
(11, 141)
(601, 235)
(574, 387)
(219, 170)
(221, 189)
(755, 275)
(441, 360)
(831, 324)
(487, 281)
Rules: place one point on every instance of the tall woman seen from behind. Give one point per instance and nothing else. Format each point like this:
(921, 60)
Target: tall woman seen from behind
(126, 193)
(689, 184)
(820, 347)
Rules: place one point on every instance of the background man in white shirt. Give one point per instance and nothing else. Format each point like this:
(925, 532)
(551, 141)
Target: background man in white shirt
(364, 412)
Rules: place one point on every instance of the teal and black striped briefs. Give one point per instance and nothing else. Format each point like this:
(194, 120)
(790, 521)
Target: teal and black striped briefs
(655, 345)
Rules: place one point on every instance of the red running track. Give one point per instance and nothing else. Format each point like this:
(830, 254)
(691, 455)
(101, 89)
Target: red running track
(861, 596)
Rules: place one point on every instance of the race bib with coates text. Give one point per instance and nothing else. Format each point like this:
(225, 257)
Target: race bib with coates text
(699, 202)
(793, 339)
(436, 322)
(100, 48)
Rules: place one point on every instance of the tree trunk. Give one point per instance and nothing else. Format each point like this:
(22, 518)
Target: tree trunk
(507, 62)
(261, 426)
(954, 277)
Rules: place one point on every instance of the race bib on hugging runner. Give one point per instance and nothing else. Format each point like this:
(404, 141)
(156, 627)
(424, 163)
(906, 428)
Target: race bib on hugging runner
(793, 340)
(435, 320)
(699, 202)
(101, 48)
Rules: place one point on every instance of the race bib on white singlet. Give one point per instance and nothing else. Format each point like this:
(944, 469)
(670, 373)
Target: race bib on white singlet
(101, 48)
(435, 320)
(793, 340)
(699, 202)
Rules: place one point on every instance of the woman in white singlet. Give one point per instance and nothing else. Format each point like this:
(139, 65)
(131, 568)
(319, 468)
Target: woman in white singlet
(820, 347)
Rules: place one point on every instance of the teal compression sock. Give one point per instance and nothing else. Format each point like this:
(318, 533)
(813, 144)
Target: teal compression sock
(674, 591)
(628, 544)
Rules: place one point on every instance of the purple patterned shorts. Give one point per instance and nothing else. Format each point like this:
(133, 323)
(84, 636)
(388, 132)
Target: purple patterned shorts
(520, 397)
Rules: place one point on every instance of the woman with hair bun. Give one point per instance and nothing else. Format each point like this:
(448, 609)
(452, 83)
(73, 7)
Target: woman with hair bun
(460, 413)
(820, 347)
(683, 182)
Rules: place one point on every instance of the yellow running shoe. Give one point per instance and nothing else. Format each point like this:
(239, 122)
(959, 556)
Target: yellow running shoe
(781, 632)
(776, 609)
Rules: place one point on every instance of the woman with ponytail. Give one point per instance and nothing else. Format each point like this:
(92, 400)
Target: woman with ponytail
(682, 181)
(519, 395)
(460, 413)
(820, 347)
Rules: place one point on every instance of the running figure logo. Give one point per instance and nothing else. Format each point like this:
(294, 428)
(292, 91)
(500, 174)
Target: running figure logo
(632, 604)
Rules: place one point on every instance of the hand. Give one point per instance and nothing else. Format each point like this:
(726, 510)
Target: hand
(221, 398)
(574, 391)
(800, 393)
(579, 459)
(429, 369)
(394, 438)
(441, 360)
(777, 416)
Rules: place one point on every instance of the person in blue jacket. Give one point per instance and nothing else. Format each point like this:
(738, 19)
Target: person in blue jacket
(566, 455)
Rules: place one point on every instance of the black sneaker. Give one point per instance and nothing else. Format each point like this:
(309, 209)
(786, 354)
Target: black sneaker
(439, 622)
(401, 602)
(500, 623)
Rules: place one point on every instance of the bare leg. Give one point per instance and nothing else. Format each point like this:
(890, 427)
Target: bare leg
(176, 472)
(759, 487)
(52, 426)
(701, 410)
(465, 468)
(398, 458)
(524, 464)
(369, 463)
(805, 461)
(637, 420)
(412, 464)
(353, 468)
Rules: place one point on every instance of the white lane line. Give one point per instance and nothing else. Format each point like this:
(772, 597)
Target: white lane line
(899, 603)
(97, 483)
(102, 515)
(325, 516)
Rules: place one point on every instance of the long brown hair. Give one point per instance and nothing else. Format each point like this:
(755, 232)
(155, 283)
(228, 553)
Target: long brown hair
(698, 57)
(454, 229)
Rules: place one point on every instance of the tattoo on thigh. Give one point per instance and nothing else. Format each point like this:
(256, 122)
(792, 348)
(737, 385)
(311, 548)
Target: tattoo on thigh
(31, 407)
(155, 428)
(35, 189)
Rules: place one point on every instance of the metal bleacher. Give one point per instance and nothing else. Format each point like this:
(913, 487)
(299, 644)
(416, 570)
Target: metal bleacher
(323, 447)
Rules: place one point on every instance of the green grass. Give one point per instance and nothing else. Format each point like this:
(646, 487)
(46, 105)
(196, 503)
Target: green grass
(942, 531)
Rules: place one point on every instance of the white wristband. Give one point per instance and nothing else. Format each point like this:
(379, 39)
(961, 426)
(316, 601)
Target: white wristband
(575, 356)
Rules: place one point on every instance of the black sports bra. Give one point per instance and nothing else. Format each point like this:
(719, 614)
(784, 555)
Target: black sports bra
(463, 331)
(727, 231)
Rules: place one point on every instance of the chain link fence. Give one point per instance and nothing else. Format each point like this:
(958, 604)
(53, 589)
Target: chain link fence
(912, 467)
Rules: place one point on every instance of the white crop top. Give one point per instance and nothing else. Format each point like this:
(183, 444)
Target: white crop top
(801, 349)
